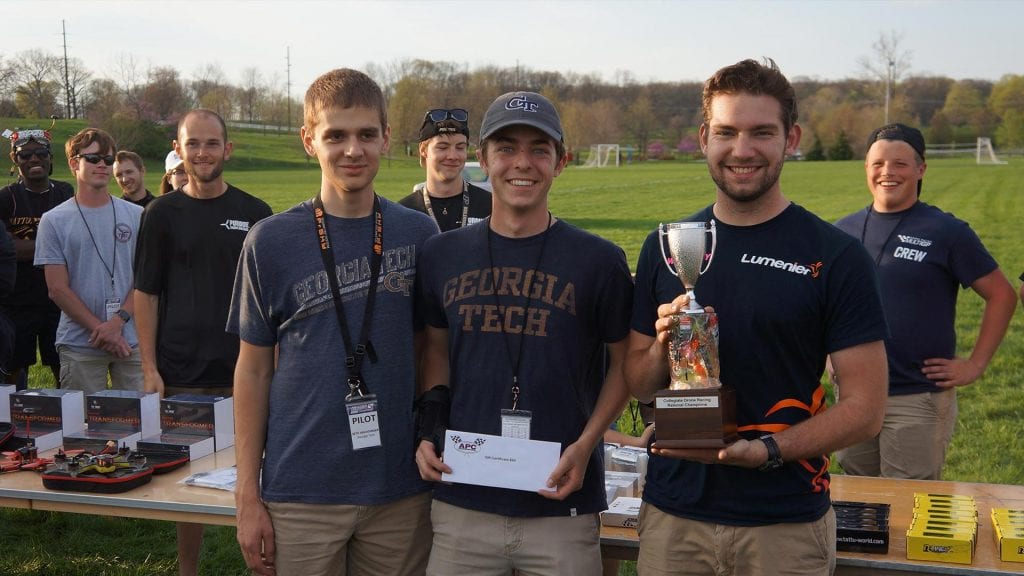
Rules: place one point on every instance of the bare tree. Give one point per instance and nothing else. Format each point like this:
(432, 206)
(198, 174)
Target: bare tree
(249, 94)
(128, 75)
(78, 82)
(35, 75)
(163, 97)
(887, 64)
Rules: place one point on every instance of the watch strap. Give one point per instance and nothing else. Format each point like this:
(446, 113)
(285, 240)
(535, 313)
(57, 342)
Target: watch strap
(774, 460)
(123, 315)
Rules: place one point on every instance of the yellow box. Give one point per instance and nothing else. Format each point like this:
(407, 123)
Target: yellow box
(940, 546)
(946, 513)
(944, 504)
(954, 524)
(1010, 542)
(947, 497)
(1007, 516)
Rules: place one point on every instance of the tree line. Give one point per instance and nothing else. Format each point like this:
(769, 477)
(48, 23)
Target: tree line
(141, 104)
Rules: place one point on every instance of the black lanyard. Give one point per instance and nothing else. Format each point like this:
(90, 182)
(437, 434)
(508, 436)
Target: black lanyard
(353, 356)
(516, 361)
(465, 204)
(113, 267)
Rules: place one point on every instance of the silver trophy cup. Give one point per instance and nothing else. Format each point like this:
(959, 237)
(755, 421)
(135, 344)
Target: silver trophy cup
(693, 347)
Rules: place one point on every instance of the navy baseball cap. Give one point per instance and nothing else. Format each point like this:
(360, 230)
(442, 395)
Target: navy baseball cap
(900, 132)
(522, 108)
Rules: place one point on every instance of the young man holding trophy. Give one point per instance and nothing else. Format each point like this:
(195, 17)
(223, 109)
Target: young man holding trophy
(787, 289)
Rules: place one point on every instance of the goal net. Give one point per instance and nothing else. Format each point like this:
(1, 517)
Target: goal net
(985, 153)
(602, 155)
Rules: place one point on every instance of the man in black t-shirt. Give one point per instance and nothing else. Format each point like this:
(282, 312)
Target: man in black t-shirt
(189, 243)
(446, 196)
(22, 205)
(789, 289)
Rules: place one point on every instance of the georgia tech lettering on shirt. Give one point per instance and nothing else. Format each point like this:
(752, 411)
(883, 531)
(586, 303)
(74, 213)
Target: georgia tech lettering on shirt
(546, 291)
(914, 240)
(794, 267)
(397, 268)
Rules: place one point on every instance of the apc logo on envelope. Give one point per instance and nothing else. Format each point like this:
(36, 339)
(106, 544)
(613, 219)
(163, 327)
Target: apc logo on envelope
(467, 447)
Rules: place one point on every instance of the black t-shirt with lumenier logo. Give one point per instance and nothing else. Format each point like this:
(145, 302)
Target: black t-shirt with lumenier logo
(788, 292)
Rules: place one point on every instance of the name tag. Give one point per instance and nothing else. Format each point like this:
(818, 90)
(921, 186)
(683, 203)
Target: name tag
(516, 423)
(112, 305)
(363, 422)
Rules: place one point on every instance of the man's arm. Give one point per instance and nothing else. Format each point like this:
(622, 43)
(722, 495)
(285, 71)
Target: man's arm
(1000, 304)
(434, 371)
(105, 335)
(253, 374)
(147, 322)
(567, 477)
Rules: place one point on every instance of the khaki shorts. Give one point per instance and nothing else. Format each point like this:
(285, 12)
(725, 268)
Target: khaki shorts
(342, 540)
(915, 435)
(89, 372)
(670, 545)
(471, 543)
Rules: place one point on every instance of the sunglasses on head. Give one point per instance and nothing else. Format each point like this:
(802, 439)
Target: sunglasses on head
(442, 114)
(107, 159)
(41, 153)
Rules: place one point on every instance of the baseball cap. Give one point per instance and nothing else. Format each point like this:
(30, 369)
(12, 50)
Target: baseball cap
(900, 132)
(522, 108)
(444, 121)
(172, 161)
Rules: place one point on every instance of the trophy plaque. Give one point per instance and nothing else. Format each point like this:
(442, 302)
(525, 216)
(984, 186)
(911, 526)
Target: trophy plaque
(696, 410)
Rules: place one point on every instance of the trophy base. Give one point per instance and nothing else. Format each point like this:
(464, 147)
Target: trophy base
(698, 418)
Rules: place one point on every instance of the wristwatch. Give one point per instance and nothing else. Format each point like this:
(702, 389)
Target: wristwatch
(774, 461)
(123, 315)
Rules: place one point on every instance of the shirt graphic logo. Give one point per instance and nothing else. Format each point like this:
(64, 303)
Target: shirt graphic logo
(122, 233)
(913, 240)
(236, 225)
(795, 267)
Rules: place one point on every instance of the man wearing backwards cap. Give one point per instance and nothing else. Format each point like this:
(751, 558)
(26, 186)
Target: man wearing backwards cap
(22, 205)
(446, 196)
(520, 314)
(921, 255)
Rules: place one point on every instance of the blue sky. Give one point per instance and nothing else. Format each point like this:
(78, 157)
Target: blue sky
(651, 40)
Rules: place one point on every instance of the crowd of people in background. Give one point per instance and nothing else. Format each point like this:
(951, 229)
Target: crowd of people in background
(491, 315)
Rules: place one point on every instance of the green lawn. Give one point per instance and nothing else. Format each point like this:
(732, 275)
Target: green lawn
(622, 204)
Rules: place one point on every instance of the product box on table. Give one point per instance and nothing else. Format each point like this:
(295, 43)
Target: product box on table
(862, 527)
(195, 447)
(624, 512)
(119, 416)
(199, 415)
(1009, 533)
(46, 415)
(940, 545)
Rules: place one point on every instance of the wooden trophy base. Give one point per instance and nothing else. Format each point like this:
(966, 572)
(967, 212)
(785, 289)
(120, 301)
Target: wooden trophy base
(698, 418)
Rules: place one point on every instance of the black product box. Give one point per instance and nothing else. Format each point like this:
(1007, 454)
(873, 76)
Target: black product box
(46, 415)
(119, 416)
(199, 415)
(862, 527)
(190, 444)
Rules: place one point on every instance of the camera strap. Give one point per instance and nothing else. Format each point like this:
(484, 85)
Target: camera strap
(353, 354)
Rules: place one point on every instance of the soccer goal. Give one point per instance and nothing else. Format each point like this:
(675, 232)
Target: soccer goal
(985, 153)
(602, 155)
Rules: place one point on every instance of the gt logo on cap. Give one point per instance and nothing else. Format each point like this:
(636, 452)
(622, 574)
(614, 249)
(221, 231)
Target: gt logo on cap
(519, 103)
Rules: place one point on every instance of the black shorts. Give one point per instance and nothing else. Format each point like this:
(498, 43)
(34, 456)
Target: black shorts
(34, 327)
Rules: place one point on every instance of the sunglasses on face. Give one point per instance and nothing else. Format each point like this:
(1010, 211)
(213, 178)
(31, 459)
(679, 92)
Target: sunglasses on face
(107, 159)
(442, 114)
(41, 153)
(177, 172)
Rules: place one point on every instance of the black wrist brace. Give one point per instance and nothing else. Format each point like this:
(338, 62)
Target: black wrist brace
(432, 410)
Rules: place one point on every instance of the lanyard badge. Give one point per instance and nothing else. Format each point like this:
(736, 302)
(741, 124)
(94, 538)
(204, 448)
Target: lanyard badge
(360, 405)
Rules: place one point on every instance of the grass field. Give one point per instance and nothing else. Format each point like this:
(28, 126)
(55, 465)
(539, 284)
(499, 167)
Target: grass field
(622, 204)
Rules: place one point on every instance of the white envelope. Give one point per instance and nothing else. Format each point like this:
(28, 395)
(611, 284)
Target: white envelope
(499, 462)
